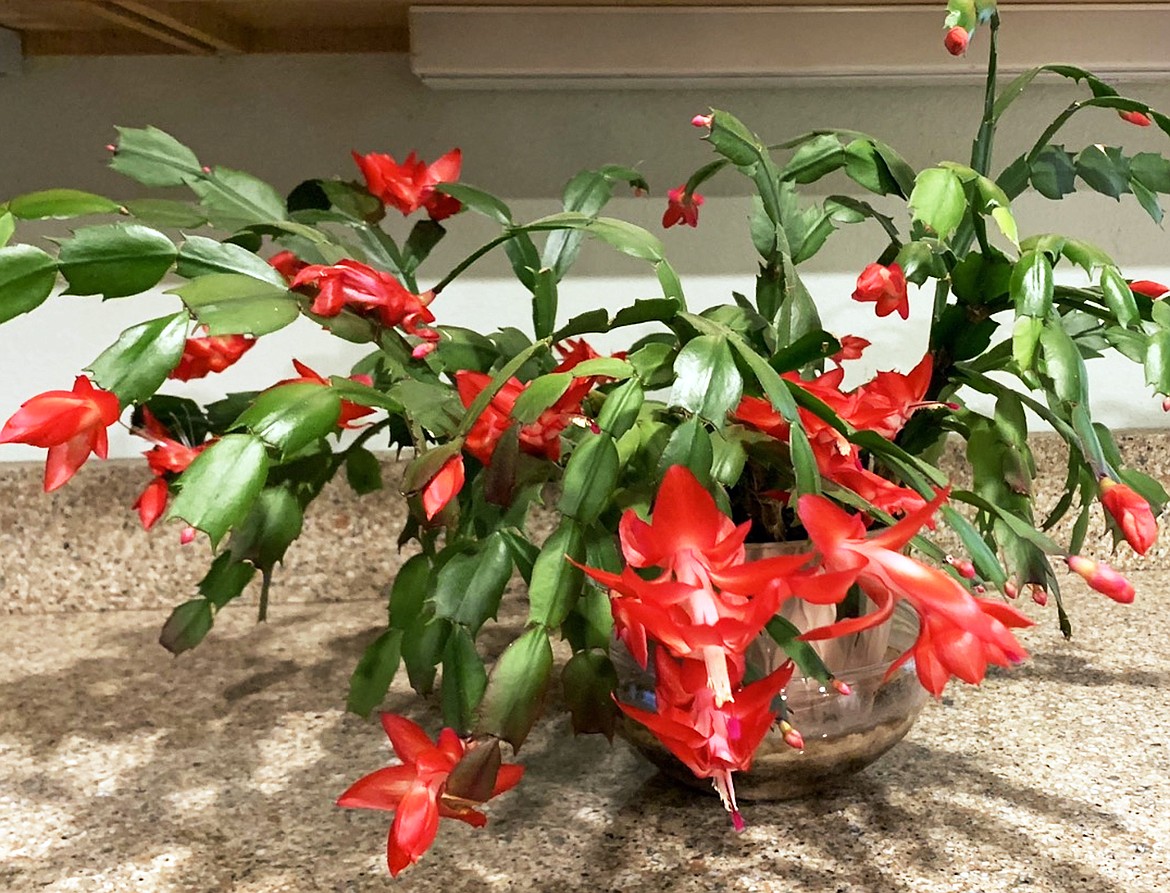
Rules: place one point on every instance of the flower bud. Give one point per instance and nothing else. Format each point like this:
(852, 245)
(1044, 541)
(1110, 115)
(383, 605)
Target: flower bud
(963, 565)
(1138, 118)
(842, 688)
(187, 535)
(701, 121)
(1102, 578)
(956, 41)
(1039, 595)
(1149, 288)
(1132, 514)
(110, 147)
(792, 737)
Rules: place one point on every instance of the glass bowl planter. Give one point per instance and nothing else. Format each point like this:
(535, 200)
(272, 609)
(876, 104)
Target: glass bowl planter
(842, 733)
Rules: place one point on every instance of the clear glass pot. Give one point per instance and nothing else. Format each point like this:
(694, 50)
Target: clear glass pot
(842, 733)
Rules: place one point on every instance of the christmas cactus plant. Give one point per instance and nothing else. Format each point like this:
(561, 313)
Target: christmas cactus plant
(721, 426)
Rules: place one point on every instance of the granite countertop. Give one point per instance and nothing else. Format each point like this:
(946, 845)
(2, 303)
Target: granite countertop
(124, 769)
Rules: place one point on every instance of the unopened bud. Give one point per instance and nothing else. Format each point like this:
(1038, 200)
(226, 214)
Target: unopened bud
(110, 147)
(956, 41)
(842, 687)
(701, 121)
(187, 535)
(1102, 578)
(1137, 118)
(1010, 589)
(421, 350)
(979, 589)
(792, 737)
(206, 169)
(1039, 595)
(963, 565)
(1166, 404)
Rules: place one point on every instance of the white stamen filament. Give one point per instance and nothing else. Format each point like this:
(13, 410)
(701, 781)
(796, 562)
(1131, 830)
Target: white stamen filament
(718, 679)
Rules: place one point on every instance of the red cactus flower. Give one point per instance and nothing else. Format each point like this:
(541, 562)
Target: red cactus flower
(540, 438)
(167, 457)
(443, 487)
(350, 411)
(886, 403)
(152, 502)
(682, 208)
(286, 264)
(956, 41)
(411, 185)
(886, 287)
(1102, 578)
(351, 284)
(71, 424)
(852, 348)
(959, 635)
(712, 738)
(707, 604)
(202, 356)
(415, 791)
(1132, 514)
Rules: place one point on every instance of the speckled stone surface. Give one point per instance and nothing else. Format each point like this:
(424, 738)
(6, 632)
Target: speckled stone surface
(122, 769)
(68, 551)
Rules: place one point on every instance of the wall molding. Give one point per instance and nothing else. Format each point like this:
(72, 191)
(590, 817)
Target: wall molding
(547, 47)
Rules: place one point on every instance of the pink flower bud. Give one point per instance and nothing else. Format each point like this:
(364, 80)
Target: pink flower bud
(110, 147)
(1010, 589)
(1102, 578)
(964, 566)
(1137, 118)
(422, 350)
(1166, 404)
(1039, 595)
(979, 589)
(187, 536)
(842, 688)
(956, 41)
(701, 121)
(206, 169)
(792, 737)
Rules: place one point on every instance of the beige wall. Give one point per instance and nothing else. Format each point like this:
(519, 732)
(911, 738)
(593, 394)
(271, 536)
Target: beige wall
(285, 118)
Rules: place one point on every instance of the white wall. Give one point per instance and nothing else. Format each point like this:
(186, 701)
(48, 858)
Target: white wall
(287, 118)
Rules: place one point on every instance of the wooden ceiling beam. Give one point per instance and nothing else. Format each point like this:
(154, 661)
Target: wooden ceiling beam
(202, 25)
(110, 11)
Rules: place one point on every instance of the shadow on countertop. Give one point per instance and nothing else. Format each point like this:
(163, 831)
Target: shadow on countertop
(127, 770)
